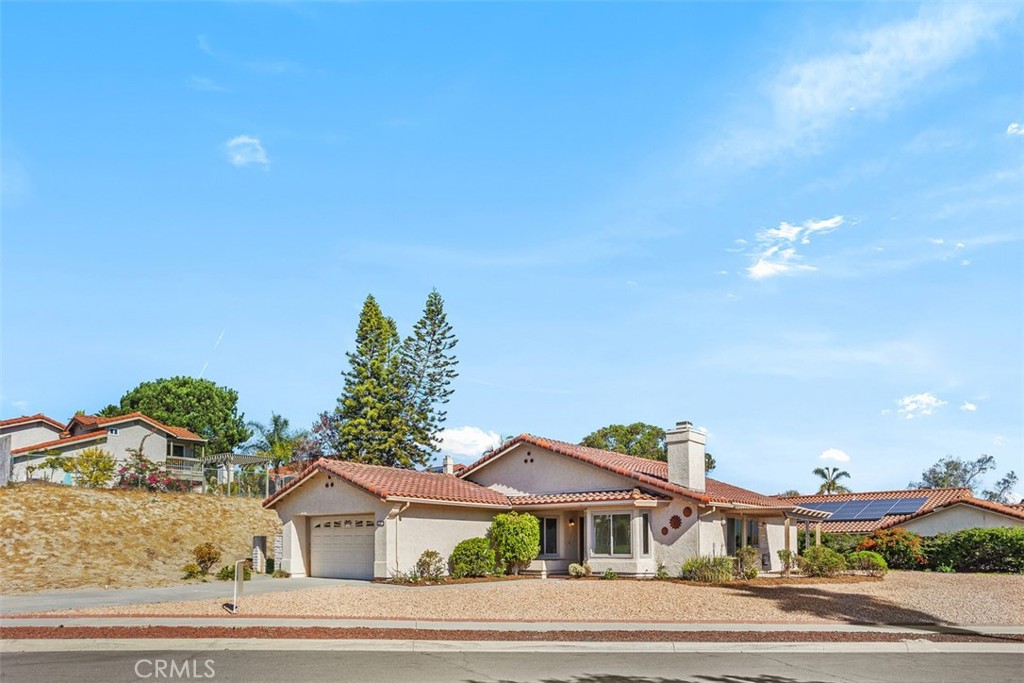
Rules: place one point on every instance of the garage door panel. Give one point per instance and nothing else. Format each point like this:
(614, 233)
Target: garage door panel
(342, 547)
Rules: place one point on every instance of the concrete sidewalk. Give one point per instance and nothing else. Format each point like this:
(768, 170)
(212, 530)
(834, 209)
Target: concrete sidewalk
(669, 628)
(47, 601)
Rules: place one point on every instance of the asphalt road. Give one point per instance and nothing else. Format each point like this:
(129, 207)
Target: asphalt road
(434, 667)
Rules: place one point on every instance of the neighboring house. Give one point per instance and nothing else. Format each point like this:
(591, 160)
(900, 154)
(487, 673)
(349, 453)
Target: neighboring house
(615, 511)
(924, 511)
(36, 437)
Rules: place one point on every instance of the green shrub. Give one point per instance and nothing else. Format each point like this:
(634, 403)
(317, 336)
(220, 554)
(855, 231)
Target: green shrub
(707, 569)
(996, 549)
(900, 548)
(430, 566)
(788, 559)
(844, 544)
(405, 577)
(227, 573)
(270, 565)
(206, 555)
(193, 571)
(868, 561)
(610, 574)
(746, 562)
(280, 574)
(821, 561)
(579, 571)
(515, 539)
(661, 574)
(93, 468)
(473, 557)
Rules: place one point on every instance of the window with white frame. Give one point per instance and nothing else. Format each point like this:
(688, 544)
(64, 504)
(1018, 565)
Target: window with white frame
(548, 535)
(112, 430)
(612, 534)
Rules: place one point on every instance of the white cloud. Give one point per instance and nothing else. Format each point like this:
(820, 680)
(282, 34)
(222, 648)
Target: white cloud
(834, 454)
(969, 407)
(872, 70)
(937, 240)
(246, 150)
(965, 262)
(999, 441)
(1015, 129)
(960, 245)
(467, 442)
(204, 84)
(919, 405)
(776, 254)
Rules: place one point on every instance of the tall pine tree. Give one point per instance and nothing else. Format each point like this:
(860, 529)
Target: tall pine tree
(371, 421)
(428, 368)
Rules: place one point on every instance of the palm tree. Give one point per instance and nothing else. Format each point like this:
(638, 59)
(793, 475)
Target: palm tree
(276, 440)
(830, 480)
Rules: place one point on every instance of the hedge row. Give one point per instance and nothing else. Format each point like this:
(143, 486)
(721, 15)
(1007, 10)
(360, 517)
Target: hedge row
(995, 549)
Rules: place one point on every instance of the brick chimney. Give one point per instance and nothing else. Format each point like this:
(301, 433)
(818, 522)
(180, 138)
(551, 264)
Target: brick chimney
(685, 456)
(449, 465)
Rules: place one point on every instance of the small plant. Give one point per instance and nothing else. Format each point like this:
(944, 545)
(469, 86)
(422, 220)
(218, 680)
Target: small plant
(227, 573)
(430, 566)
(707, 569)
(193, 571)
(579, 571)
(280, 574)
(93, 468)
(869, 562)
(408, 578)
(515, 539)
(206, 555)
(788, 559)
(610, 574)
(945, 569)
(821, 561)
(473, 557)
(661, 573)
(746, 562)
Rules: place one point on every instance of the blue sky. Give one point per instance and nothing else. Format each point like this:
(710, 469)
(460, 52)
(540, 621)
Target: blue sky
(796, 225)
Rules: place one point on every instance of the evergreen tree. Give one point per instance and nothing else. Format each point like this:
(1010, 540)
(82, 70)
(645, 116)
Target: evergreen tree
(428, 368)
(370, 416)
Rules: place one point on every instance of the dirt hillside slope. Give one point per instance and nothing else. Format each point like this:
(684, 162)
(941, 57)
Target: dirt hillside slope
(54, 536)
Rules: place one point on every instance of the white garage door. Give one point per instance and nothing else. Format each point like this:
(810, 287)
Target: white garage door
(342, 547)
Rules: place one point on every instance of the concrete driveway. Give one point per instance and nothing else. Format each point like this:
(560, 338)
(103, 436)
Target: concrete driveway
(101, 597)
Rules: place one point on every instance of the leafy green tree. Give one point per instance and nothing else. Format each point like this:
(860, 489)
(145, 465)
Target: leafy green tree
(428, 367)
(789, 493)
(197, 404)
(639, 439)
(1003, 492)
(516, 540)
(830, 477)
(276, 440)
(950, 472)
(371, 424)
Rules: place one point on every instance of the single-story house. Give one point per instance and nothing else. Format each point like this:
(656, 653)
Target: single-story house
(35, 437)
(927, 512)
(349, 520)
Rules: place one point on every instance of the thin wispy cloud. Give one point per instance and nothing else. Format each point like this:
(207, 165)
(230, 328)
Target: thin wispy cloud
(919, 405)
(1015, 129)
(204, 84)
(834, 454)
(969, 407)
(271, 67)
(776, 252)
(246, 150)
(873, 71)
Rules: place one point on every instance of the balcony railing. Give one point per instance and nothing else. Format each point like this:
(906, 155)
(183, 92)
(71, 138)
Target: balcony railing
(190, 469)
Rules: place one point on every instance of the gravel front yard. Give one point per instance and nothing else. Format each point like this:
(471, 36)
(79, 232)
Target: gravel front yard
(902, 597)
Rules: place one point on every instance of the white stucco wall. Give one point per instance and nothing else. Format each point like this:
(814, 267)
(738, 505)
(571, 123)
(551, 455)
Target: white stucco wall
(29, 434)
(527, 469)
(957, 518)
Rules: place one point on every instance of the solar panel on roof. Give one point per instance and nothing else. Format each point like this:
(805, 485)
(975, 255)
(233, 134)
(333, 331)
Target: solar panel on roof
(865, 510)
(907, 506)
(830, 506)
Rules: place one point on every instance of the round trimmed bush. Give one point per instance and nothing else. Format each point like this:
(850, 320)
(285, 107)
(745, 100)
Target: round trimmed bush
(473, 557)
(900, 548)
(867, 561)
(516, 540)
(821, 561)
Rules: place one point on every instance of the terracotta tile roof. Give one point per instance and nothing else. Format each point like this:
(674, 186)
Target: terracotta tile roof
(98, 422)
(25, 419)
(642, 470)
(57, 443)
(935, 498)
(584, 497)
(391, 482)
(1008, 510)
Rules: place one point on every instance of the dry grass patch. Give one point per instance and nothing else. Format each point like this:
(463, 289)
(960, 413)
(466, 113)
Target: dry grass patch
(68, 537)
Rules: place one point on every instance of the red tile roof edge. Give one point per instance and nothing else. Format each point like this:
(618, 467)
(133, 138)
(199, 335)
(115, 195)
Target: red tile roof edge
(59, 442)
(976, 502)
(25, 419)
(179, 432)
(910, 493)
